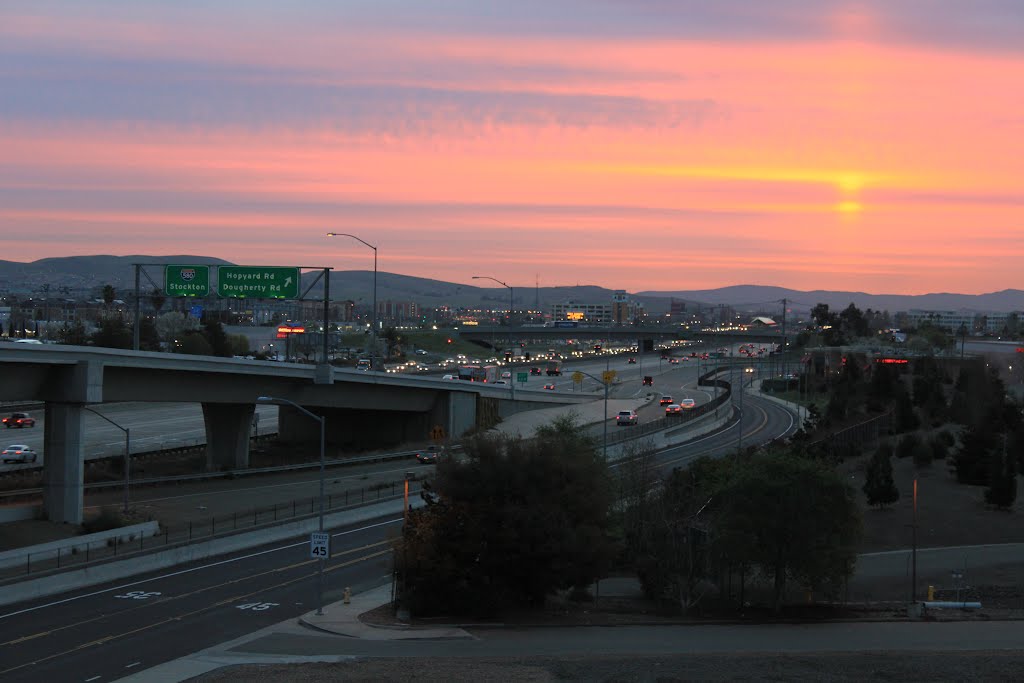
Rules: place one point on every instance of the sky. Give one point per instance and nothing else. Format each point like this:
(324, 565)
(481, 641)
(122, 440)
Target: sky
(873, 146)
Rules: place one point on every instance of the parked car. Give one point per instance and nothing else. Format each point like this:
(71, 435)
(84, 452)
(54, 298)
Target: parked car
(626, 417)
(687, 404)
(665, 400)
(430, 455)
(673, 409)
(18, 452)
(19, 420)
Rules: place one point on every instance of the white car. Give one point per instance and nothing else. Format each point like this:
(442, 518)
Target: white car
(18, 452)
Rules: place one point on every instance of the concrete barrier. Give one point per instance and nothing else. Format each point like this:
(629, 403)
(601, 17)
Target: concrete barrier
(150, 561)
(65, 546)
(20, 513)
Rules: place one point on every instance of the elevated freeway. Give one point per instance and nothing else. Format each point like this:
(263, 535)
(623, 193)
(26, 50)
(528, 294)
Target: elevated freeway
(362, 409)
(643, 335)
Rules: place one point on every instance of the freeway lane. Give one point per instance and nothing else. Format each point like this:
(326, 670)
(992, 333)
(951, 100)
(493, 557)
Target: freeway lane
(153, 426)
(122, 628)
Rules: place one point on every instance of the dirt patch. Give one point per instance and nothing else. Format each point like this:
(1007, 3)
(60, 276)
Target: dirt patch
(948, 513)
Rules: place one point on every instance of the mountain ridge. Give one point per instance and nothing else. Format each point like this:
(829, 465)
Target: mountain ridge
(84, 273)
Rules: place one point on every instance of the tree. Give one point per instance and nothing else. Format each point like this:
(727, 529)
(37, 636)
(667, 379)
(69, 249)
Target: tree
(149, 338)
(213, 330)
(74, 335)
(108, 294)
(112, 333)
(173, 325)
(974, 459)
(513, 521)
(906, 418)
(195, 343)
(158, 299)
(792, 517)
(669, 546)
(879, 486)
(1002, 489)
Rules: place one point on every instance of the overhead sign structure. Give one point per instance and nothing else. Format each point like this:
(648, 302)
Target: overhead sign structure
(258, 283)
(319, 545)
(186, 280)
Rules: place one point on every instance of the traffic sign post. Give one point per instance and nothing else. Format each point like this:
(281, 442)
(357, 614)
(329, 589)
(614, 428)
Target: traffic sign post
(186, 280)
(256, 282)
(319, 545)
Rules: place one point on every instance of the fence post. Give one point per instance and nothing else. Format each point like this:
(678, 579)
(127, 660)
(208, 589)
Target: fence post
(275, 512)
(87, 545)
(58, 558)
(293, 507)
(234, 520)
(115, 546)
(213, 525)
(255, 512)
(190, 531)
(28, 563)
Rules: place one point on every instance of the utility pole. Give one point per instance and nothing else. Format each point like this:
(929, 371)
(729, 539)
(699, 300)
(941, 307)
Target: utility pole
(783, 347)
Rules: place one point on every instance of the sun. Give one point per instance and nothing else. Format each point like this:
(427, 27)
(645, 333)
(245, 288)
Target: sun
(849, 207)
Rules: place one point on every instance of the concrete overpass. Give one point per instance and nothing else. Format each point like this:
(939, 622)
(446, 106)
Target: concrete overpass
(363, 409)
(643, 335)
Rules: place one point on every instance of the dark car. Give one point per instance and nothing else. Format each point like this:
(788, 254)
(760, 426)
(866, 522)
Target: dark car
(665, 400)
(430, 455)
(534, 371)
(632, 361)
(19, 420)
(648, 381)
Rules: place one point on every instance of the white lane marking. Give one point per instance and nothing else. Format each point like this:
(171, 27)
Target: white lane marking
(304, 543)
(92, 679)
(128, 666)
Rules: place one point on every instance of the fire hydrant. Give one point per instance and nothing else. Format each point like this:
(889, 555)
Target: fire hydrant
(348, 595)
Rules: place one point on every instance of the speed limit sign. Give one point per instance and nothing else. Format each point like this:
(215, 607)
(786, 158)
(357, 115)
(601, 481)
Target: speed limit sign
(319, 545)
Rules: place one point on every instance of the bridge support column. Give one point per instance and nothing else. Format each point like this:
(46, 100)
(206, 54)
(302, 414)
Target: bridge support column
(227, 434)
(63, 473)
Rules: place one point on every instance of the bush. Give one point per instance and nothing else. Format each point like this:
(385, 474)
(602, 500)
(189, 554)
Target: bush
(109, 518)
(907, 445)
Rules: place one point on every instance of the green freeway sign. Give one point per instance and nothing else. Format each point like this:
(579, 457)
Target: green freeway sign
(258, 283)
(186, 280)
(521, 377)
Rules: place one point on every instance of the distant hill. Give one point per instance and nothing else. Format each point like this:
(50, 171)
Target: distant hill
(82, 275)
(757, 296)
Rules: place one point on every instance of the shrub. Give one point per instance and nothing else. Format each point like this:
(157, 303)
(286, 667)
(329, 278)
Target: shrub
(109, 518)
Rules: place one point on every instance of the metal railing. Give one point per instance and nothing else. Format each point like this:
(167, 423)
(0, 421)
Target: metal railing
(48, 561)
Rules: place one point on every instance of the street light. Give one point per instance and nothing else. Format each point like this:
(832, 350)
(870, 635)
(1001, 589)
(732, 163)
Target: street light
(488, 277)
(604, 447)
(373, 354)
(127, 451)
(285, 402)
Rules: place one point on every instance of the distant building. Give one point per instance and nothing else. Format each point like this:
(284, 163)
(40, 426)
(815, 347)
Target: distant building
(762, 321)
(398, 311)
(953, 321)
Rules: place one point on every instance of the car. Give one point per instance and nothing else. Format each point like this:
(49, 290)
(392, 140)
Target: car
(748, 370)
(673, 361)
(626, 418)
(551, 387)
(27, 341)
(687, 404)
(648, 381)
(429, 455)
(450, 377)
(534, 371)
(673, 409)
(665, 400)
(506, 375)
(631, 361)
(500, 382)
(18, 452)
(19, 420)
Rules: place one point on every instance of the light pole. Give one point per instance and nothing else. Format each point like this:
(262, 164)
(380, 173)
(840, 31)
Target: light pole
(127, 451)
(604, 447)
(488, 277)
(373, 354)
(283, 401)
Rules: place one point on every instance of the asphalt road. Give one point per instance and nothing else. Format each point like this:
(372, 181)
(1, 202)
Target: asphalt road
(106, 632)
(152, 426)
